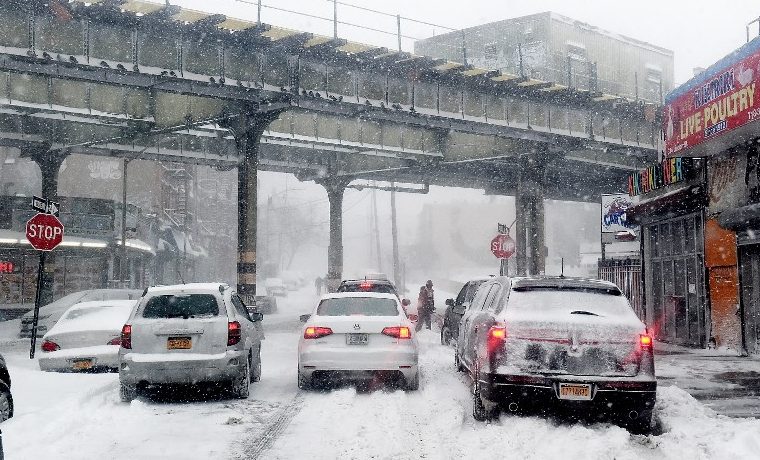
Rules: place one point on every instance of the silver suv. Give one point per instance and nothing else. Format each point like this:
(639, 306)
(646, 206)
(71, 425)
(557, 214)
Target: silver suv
(187, 334)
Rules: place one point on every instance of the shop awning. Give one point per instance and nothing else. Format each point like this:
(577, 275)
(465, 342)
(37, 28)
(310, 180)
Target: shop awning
(682, 200)
(741, 218)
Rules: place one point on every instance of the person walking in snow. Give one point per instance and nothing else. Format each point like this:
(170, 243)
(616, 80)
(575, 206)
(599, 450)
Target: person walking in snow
(425, 305)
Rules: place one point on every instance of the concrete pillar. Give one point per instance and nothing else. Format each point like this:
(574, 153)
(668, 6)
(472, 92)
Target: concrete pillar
(247, 130)
(335, 189)
(49, 162)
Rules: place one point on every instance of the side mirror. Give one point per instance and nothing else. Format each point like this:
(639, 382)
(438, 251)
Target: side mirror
(304, 318)
(256, 316)
(450, 302)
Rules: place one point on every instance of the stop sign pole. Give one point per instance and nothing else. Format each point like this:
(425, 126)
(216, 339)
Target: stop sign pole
(44, 232)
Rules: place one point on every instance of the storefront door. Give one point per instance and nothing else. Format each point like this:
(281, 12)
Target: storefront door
(750, 281)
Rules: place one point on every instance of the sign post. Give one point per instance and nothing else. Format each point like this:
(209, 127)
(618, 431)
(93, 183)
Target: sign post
(503, 247)
(44, 232)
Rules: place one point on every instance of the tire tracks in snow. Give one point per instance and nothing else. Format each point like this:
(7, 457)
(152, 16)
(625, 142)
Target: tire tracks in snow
(260, 441)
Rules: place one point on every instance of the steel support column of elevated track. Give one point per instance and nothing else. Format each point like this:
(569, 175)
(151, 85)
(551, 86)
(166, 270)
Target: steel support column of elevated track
(530, 219)
(247, 130)
(335, 187)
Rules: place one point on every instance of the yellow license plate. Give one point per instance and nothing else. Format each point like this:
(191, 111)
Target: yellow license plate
(575, 391)
(179, 343)
(81, 364)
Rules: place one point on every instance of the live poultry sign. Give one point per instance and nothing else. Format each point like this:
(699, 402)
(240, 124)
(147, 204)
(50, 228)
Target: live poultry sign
(721, 99)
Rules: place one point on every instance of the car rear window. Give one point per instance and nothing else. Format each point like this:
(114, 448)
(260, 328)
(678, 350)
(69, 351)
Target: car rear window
(367, 287)
(367, 306)
(181, 306)
(580, 301)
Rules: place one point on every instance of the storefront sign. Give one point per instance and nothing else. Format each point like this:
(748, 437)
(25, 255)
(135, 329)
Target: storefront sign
(725, 98)
(669, 171)
(614, 208)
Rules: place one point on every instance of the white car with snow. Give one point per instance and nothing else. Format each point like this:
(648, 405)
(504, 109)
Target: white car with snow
(557, 343)
(275, 287)
(86, 338)
(187, 334)
(358, 336)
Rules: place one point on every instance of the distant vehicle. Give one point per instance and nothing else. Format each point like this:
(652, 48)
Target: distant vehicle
(368, 285)
(455, 309)
(6, 399)
(557, 343)
(275, 287)
(358, 336)
(265, 304)
(292, 280)
(51, 313)
(190, 333)
(86, 338)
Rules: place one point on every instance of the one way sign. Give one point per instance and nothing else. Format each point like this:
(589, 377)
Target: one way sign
(45, 206)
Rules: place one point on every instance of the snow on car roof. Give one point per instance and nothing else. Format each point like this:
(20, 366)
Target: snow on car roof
(341, 295)
(187, 287)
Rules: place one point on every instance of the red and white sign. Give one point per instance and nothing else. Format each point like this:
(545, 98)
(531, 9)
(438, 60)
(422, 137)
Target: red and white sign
(725, 98)
(503, 246)
(44, 232)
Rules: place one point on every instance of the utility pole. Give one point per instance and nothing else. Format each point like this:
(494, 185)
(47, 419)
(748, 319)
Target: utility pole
(376, 229)
(394, 235)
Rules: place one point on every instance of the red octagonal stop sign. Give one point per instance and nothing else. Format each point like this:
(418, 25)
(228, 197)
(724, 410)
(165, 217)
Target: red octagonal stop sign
(44, 232)
(503, 246)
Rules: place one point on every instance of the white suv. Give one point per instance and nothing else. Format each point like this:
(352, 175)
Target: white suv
(187, 334)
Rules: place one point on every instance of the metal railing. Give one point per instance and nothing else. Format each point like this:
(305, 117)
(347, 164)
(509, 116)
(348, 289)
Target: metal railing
(626, 274)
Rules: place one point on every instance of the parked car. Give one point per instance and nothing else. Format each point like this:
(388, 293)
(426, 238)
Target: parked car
(6, 399)
(187, 334)
(557, 343)
(275, 287)
(264, 304)
(52, 312)
(358, 336)
(455, 309)
(368, 285)
(86, 338)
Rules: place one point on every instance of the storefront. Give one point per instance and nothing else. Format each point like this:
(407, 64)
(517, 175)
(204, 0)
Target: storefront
(715, 116)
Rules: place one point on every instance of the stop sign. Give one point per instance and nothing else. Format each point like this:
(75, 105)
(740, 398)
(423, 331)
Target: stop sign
(44, 232)
(503, 246)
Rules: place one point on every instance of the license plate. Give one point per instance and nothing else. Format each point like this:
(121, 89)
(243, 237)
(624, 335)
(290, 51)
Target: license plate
(575, 391)
(81, 364)
(178, 343)
(356, 339)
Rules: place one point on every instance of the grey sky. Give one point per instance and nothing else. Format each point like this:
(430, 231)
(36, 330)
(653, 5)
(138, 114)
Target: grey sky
(698, 31)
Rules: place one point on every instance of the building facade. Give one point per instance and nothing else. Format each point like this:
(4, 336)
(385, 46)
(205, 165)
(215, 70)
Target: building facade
(551, 47)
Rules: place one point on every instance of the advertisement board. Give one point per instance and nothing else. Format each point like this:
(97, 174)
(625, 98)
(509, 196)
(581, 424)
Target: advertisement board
(614, 208)
(718, 101)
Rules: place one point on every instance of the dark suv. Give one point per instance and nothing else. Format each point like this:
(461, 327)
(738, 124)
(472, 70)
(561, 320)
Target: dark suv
(455, 309)
(6, 400)
(368, 285)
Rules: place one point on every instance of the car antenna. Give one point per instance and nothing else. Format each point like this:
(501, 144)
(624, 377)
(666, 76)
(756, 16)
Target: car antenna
(562, 267)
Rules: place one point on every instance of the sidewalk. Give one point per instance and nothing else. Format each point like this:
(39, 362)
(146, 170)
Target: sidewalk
(722, 380)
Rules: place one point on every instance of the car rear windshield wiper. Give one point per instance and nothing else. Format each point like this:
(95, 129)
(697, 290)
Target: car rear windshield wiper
(584, 312)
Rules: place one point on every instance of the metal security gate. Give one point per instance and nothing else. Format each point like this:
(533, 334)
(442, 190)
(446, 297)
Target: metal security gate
(626, 274)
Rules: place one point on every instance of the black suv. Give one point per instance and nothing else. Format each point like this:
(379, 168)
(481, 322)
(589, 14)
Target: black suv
(6, 400)
(368, 285)
(455, 309)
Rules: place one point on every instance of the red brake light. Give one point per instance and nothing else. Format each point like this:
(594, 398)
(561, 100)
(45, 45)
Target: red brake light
(115, 341)
(497, 333)
(315, 332)
(645, 341)
(47, 345)
(126, 336)
(496, 337)
(365, 285)
(399, 332)
(233, 333)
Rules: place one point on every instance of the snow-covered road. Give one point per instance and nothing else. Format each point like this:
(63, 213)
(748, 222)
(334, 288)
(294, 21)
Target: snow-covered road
(69, 416)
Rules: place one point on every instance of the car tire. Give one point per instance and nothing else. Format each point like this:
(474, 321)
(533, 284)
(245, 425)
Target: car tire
(241, 385)
(127, 393)
(6, 403)
(445, 335)
(481, 411)
(413, 384)
(256, 368)
(304, 383)
(641, 425)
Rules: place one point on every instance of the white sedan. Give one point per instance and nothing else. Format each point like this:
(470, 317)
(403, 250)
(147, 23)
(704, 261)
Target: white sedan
(358, 336)
(87, 337)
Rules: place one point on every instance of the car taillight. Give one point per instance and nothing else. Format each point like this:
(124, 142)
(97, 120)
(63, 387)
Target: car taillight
(115, 341)
(365, 285)
(399, 332)
(126, 336)
(315, 332)
(645, 341)
(47, 345)
(496, 337)
(233, 333)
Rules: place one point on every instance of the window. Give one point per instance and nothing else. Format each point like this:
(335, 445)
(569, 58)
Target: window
(366, 306)
(240, 307)
(480, 296)
(181, 306)
(490, 52)
(493, 295)
(462, 294)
